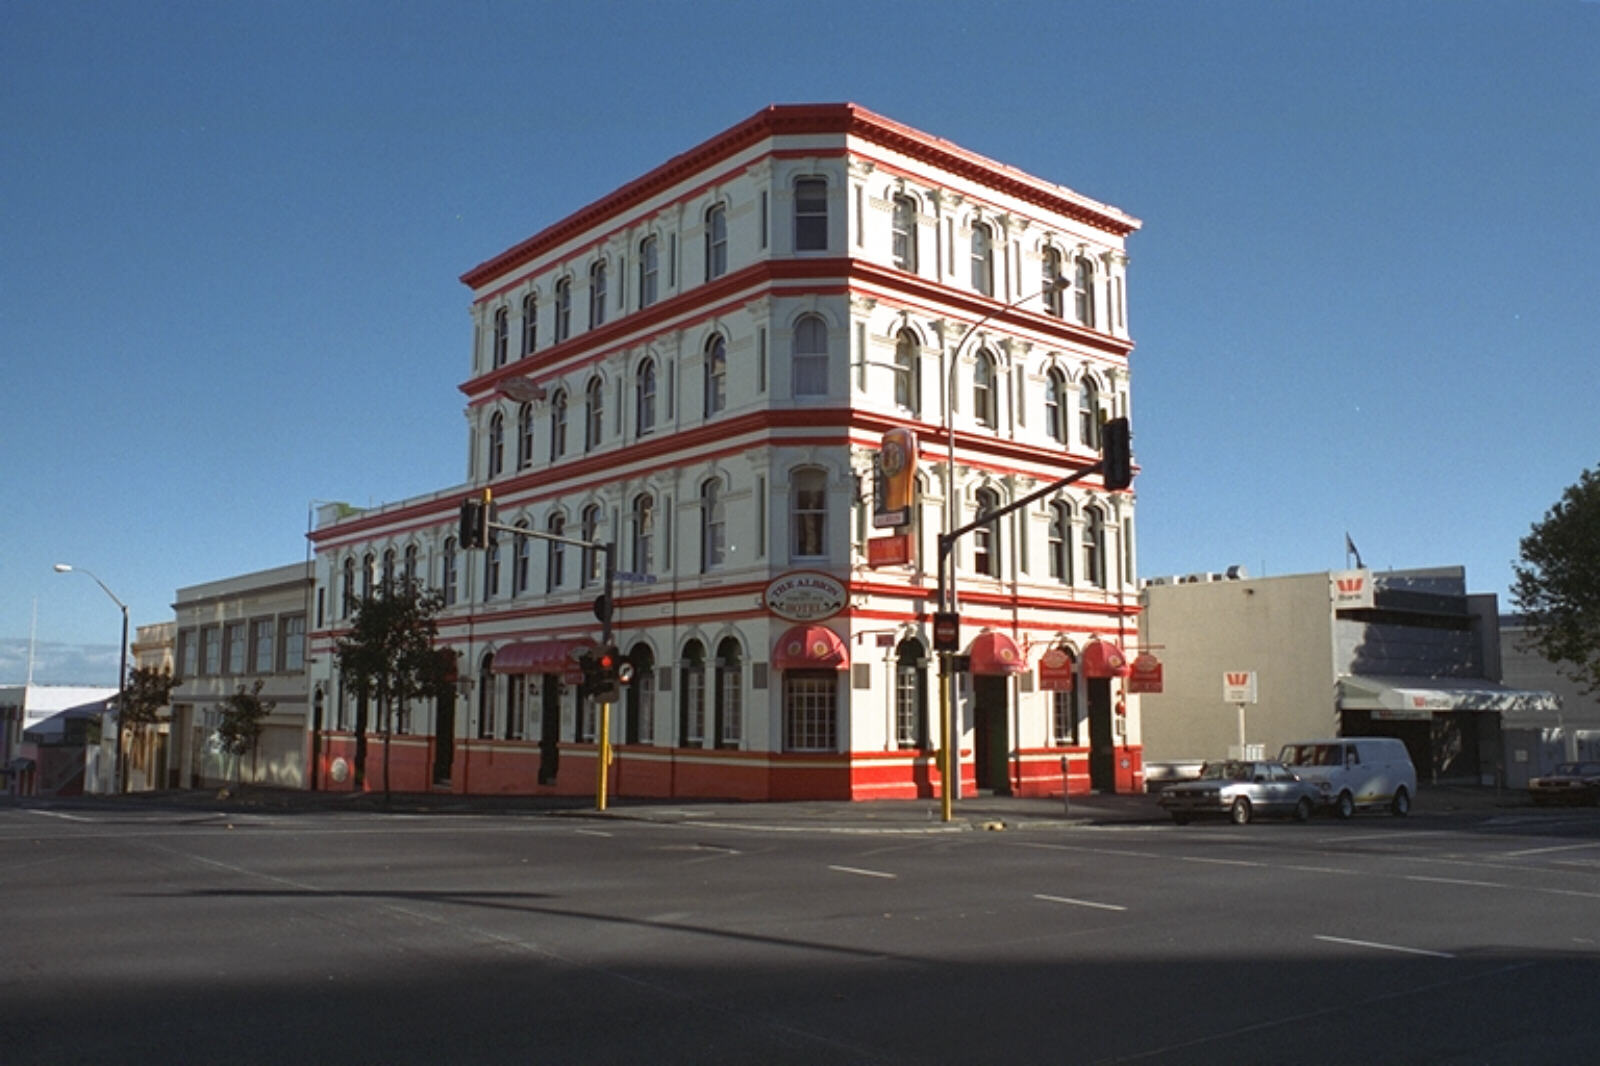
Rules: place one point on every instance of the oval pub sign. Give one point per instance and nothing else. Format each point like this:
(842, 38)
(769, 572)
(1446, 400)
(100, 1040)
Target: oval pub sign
(805, 596)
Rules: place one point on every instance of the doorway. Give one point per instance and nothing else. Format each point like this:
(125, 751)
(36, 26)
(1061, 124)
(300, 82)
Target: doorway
(444, 739)
(991, 733)
(549, 728)
(1102, 740)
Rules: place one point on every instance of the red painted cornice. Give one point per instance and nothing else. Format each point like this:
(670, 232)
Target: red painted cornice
(799, 120)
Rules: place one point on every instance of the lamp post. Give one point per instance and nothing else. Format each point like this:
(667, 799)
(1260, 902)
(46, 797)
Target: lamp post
(118, 764)
(950, 766)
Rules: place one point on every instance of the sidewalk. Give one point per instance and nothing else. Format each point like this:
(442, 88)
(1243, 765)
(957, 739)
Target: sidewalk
(972, 813)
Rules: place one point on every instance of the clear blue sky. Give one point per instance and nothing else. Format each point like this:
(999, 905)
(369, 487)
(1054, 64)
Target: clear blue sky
(1366, 297)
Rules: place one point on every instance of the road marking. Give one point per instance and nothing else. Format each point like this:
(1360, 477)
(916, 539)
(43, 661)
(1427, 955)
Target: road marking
(1322, 870)
(592, 833)
(862, 873)
(61, 814)
(1219, 862)
(1384, 947)
(1455, 881)
(1079, 902)
(1557, 847)
(1376, 836)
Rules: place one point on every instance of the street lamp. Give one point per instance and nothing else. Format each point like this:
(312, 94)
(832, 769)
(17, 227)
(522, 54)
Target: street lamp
(118, 765)
(947, 594)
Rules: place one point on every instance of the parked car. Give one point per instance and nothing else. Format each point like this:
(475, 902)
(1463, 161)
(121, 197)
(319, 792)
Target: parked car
(1569, 782)
(1355, 773)
(1240, 790)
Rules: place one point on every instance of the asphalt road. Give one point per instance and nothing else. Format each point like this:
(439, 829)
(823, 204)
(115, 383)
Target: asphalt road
(153, 935)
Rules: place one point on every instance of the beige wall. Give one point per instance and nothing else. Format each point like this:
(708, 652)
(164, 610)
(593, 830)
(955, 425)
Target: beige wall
(1281, 627)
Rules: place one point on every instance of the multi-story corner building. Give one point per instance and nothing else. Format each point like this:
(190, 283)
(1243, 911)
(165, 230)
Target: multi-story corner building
(699, 368)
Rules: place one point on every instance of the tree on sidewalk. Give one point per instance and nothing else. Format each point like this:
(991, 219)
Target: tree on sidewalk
(244, 717)
(1558, 582)
(388, 658)
(148, 690)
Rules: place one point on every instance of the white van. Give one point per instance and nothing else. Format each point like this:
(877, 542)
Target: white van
(1354, 773)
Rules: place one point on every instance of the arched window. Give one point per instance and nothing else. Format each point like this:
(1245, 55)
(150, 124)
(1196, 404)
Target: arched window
(386, 585)
(368, 566)
(905, 233)
(640, 697)
(497, 444)
(716, 241)
(594, 410)
(1064, 712)
(558, 424)
(692, 696)
(808, 514)
(589, 530)
(525, 436)
(522, 562)
(502, 332)
(986, 538)
(985, 398)
(649, 270)
(1054, 299)
(555, 554)
(347, 592)
(1094, 546)
(716, 375)
(1083, 289)
(729, 694)
(810, 710)
(811, 215)
(1055, 416)
(1088, 414)
(644, 532)
(713, 526)
(447, 571)
(491, 570)
(486, 697)
(810, 356)
(408, 571)
(563, 309)
(597, 294)
(910, 695)
(530, 323)
(644, 397)
(907, 372)
(1060, 544)
(982, 259)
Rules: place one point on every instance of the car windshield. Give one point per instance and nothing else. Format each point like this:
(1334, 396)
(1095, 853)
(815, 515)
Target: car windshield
(1226, 771)
(1578, 769)
(1311, 755)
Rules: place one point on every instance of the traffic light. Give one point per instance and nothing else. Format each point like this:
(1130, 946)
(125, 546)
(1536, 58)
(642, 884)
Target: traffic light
(589, 663)
(1116, 460)
(612, 671)
(476, 514)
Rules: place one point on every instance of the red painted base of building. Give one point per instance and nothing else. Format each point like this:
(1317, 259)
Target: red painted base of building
(511, 768)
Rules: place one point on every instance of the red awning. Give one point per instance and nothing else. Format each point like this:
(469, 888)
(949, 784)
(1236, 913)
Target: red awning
(810, 648)
(542, 657)
(995, 653)
(1101, 658)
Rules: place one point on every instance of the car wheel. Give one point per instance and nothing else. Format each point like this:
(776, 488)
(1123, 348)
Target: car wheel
(1345, 806)
(1401, 806)
(1302, 810)
(1240, 811)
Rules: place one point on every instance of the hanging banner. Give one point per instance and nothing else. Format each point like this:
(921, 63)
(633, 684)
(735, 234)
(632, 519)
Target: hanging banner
(896, 467)
(1146, 676)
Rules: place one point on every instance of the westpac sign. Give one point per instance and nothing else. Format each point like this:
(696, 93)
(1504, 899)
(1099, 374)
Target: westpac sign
(1350, 589)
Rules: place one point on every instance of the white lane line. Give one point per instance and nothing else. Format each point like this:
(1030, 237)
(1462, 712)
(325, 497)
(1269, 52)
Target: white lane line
(1557, 847)
(61, 814)
(1079, 902)
(1220, 862)
(592, 833)
(1455, 881)
(862, 873)
(1322, 870)
(1396, 835)
(1384, 947)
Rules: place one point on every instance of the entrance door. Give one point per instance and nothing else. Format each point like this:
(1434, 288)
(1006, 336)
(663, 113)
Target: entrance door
(549, 728)
(1102, 742)
(992, 734)
(444, 739)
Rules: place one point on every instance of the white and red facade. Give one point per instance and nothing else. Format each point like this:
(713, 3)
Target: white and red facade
(700, 368)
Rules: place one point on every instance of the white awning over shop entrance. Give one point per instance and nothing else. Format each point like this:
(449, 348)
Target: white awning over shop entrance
(1419, 697)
